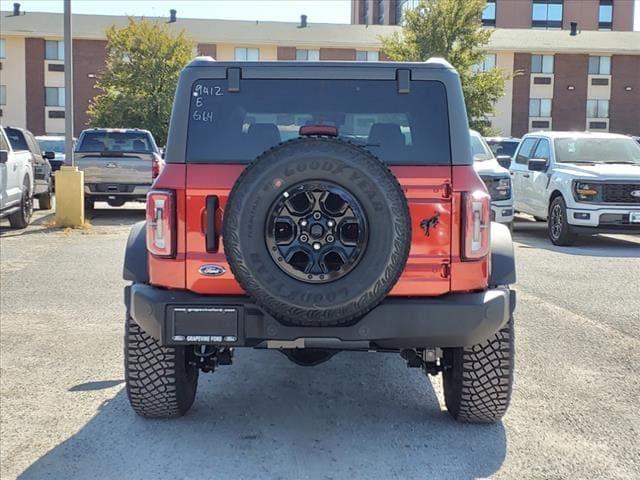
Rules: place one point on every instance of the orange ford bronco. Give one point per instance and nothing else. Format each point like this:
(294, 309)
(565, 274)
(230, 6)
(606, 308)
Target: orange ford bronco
(314, 208)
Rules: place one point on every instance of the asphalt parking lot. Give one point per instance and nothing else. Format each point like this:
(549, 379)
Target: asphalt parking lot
(65, 415)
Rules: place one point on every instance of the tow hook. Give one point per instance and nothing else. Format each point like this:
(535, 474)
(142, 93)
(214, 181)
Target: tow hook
(207, 358)
(429, 359)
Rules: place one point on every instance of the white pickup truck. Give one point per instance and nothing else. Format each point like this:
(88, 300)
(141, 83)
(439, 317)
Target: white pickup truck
(495, 178)
(580, 183)
(16, 184)
(119, 165)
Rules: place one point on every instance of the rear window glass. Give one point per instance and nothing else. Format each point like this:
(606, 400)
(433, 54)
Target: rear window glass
(16, 139)
(236, 127)
(504, 148)
(116, 142)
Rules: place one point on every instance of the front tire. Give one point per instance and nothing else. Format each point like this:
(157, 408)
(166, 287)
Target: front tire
(22, 217)
(558, 228)
(161, 381)
(478, 380)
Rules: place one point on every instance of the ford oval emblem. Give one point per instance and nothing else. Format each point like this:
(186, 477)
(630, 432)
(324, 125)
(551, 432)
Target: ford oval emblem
(211, 270)
(635, 193)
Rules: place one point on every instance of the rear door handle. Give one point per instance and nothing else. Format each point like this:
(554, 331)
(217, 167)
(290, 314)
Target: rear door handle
(526, 175)
(211, 234)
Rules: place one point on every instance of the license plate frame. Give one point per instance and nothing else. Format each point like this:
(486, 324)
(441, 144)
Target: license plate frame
(204, 324)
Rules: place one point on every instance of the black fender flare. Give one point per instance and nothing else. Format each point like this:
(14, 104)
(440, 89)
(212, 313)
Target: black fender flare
(503, 261)
(136, 265)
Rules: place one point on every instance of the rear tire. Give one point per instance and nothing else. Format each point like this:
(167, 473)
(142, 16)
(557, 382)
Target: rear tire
(22, 217)
(44, 201)
(161, 382)
(478, 380)
(558, 228)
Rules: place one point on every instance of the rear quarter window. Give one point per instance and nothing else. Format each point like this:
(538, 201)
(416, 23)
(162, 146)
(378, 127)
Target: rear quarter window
(236, 127)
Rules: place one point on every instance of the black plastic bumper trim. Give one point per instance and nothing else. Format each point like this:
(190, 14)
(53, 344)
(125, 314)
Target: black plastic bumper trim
(453, 320)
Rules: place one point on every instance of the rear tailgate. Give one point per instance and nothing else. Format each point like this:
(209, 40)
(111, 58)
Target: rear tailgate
(115, 167)
(428, 193)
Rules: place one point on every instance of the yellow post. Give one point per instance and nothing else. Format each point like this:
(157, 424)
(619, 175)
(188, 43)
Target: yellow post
(69, 197)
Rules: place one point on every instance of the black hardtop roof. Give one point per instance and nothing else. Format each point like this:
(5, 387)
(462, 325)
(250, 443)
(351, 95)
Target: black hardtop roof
(403, 73)
(432, 63)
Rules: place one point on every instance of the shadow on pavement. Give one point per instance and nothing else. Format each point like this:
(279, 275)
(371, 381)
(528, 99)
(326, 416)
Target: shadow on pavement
(90, 386)
(113, 216)
(534, 235)
(359, 415)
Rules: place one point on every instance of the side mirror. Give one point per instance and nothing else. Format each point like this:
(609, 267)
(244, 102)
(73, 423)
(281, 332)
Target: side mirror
(49, 155)
(538, 164)
(4, 156)
(504, 161)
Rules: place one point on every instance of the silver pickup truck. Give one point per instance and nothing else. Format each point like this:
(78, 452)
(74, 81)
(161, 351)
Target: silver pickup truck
(119, 165)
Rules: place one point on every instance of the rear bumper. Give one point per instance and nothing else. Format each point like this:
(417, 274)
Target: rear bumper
(455, 320)
(116, 190)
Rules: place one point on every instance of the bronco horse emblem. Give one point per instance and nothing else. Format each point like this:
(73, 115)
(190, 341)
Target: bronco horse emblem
(429, 223)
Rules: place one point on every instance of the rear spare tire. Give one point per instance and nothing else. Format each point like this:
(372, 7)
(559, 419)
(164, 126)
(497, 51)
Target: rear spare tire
(317, 231)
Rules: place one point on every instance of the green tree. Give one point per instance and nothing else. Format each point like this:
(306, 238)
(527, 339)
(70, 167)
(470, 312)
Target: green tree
(137, 87)
(452, 29)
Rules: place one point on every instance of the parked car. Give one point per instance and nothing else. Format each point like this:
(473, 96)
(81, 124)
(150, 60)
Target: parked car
(496, 179)
(503, 148)
(119, 165)
(22, 140)
(55, 144)
(580, 183)
(16, 183)
(347, 219)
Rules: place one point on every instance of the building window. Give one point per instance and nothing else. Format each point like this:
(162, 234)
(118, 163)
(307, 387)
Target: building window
(540, 107)
(489, 14)
(307, 55)
(3, 94)
(599, 65)
(487, 63)
(541, 63)
(53, 50)
(546, 14)
(597, 108)
(380, 18)
(365, 11)
(54, 96)
(401, 9)
(367, 56)
(605, 15)
(3, 52)
(247, 54)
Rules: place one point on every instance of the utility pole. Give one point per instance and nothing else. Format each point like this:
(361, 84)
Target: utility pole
(68, 84)
(69, 181)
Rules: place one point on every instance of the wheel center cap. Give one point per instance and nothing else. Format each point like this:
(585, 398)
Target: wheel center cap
(316, 230)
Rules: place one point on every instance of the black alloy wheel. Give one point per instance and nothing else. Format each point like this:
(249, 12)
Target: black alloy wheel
(316, 232)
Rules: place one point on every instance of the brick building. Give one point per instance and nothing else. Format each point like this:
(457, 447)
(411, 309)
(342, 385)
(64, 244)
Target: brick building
(586, 81)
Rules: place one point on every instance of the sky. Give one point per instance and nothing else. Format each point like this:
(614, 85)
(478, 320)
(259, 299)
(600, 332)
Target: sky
(318, 11)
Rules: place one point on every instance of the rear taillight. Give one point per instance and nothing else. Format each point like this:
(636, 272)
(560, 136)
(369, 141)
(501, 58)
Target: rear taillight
(477, 222)
(161, 216)
(155, 167)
